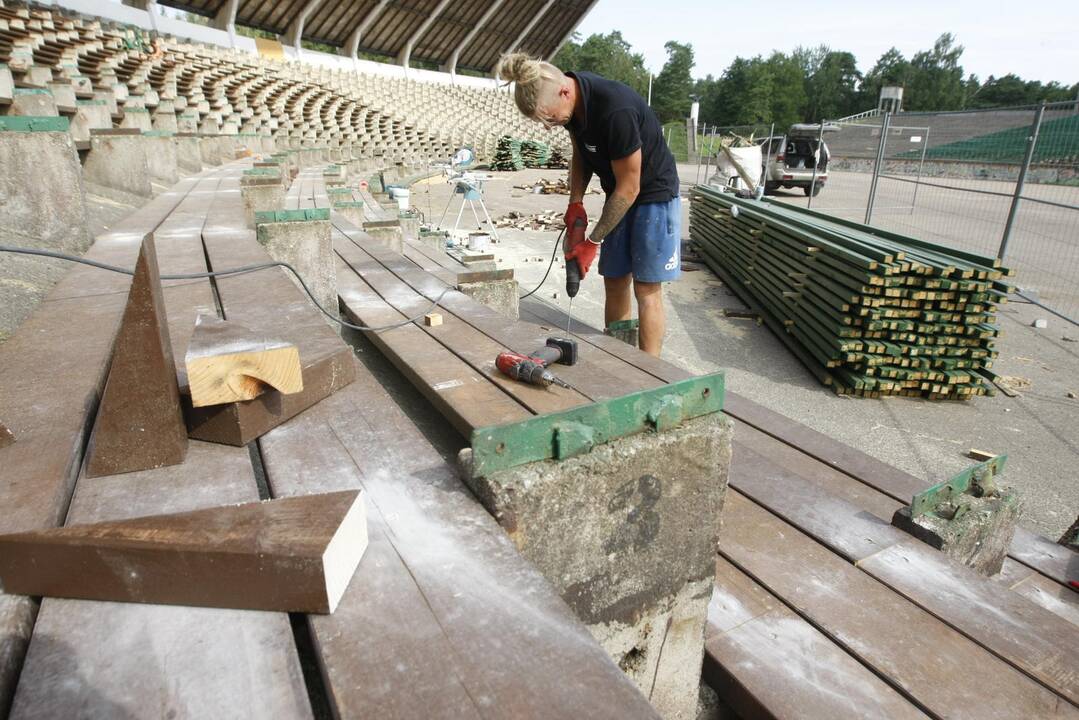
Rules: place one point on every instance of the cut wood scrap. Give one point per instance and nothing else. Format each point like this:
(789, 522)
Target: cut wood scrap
(6, 436)
(432, 319)
(980, 455)
(296, 554)
(140, 423)
(226, 362)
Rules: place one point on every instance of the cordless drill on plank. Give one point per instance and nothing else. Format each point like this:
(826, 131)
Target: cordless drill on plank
(532, 368)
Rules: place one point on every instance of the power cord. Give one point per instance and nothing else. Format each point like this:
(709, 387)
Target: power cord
(232, 272)
(554, 254)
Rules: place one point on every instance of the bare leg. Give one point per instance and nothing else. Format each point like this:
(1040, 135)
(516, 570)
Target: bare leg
(652, 318)
(618, 305)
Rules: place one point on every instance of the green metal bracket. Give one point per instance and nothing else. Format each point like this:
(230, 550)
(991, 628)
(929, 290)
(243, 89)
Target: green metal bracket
(577, 430)
(339, 191)
(347, 204)
(31, 91)
(976, 480)
(29, 123)
(84, 103)
(271, 171)
(158, 133)
(272, 216)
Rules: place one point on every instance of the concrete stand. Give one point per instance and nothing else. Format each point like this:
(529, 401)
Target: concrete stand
(499, 295)
(261, 194)
(627, 535)
(388, 231)
(42, 205)
(118, 167)
(162, 158)
(977, 531)
(307, 246)
(628, 331)
(188, 156)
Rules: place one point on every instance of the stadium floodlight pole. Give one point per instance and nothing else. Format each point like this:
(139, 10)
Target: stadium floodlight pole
(885, 124)
(1032, 141)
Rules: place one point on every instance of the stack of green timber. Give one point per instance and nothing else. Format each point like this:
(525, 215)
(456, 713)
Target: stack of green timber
(558, 160)
(535, 154)
(508, 154)
(869, 312)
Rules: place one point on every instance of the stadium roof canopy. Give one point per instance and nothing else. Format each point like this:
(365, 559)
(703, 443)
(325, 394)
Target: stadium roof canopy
(453, 34)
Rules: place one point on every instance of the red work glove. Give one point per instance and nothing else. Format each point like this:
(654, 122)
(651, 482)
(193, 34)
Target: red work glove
(584, 252)
(573, 212)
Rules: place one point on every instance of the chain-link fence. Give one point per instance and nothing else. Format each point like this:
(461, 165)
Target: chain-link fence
(1001, 182)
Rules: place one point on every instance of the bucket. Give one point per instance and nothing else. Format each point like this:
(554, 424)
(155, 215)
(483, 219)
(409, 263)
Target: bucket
(478, 241)
(401, 196)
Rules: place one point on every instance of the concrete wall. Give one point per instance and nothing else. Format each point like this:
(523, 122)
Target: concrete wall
(42, 205)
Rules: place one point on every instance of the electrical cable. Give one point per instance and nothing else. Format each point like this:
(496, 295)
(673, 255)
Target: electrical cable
(231, 272)
(554, 253)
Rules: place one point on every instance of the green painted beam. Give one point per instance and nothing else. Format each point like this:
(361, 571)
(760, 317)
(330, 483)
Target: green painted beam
(272, 216)
(576, 431)
(29, 123)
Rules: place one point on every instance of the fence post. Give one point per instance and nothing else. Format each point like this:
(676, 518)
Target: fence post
(816, 163)
(1032, 141)
(884, 125)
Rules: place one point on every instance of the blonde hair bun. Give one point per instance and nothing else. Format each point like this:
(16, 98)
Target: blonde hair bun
(520, 68)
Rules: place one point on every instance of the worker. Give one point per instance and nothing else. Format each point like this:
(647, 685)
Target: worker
(617, 137)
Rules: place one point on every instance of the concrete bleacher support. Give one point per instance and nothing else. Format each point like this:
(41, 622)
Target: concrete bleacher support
(42, 205)
(162, 157)
(32, 102)
(261, 193)
(302, 239)
(388, 231)
(89, 115)
(188, 155)
(503, 296)
(627, 534)
(118, 166)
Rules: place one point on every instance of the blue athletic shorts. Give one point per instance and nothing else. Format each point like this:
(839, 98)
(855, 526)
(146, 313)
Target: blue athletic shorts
(647, 242)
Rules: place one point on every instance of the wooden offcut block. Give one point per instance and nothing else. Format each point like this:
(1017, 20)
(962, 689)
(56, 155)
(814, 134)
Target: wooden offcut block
(226, 362)
(296, 554)
(432, 319)
(139, 423)
(6, 436)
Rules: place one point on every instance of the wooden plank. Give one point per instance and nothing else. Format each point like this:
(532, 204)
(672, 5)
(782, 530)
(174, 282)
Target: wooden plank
(845, 528)
(452, 608)
(598, 375)
(465, 397)
(1040, 590)
(290, 555)
(50, 383)
(139, 423)
(923, 658)
(1033, 639)
(199, 662)
(268, 303)
(456, 335)
(766, 661)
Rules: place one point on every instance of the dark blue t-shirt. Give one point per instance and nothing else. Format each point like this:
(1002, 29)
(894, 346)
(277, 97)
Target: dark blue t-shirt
(617, 122)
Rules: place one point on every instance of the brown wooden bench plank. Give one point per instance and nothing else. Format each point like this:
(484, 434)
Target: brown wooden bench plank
(193, 661)
(455, 334)
(460, 394)
(597, 374)
(1039, 642)
(914, 651)
(766, 661)
(470, 608)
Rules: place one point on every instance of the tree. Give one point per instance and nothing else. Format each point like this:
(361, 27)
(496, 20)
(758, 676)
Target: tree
(607, 55)
(936, 79)
(673, 86)
(831, 85)
(891, 69)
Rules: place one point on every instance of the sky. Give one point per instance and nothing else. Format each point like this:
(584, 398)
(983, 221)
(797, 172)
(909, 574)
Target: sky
(1035, 40)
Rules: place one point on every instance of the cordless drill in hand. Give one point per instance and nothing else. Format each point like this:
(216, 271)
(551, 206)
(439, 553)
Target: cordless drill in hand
(574, 271)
